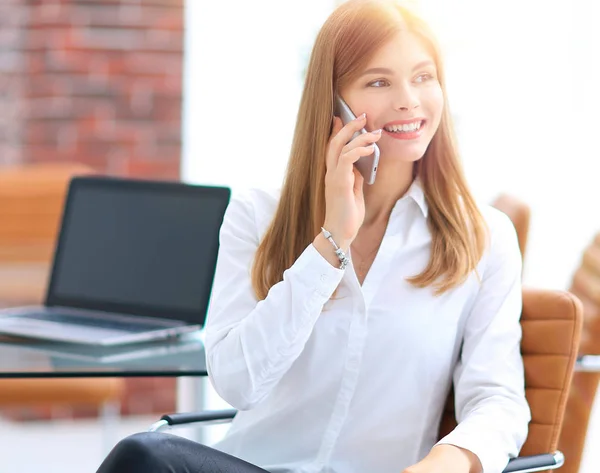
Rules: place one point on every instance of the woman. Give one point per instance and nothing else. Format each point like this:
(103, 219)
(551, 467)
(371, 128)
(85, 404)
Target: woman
(345, 368)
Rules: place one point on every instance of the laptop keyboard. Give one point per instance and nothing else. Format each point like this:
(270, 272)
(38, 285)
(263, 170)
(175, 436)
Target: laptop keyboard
(93, 322)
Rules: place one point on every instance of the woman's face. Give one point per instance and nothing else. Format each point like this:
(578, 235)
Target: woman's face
(400, 93)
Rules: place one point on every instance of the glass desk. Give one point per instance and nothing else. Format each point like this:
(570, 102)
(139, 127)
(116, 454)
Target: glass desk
(27, 358)
(182, 357)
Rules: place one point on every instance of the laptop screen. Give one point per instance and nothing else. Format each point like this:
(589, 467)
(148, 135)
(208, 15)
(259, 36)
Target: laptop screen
(138, 247)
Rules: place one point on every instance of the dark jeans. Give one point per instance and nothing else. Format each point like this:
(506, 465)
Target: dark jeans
(152, 452)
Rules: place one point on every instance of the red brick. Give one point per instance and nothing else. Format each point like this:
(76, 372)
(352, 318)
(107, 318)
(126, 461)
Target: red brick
(166, 109)
(148, 169)
(154, 63)
(13, 13)
(49, 13)
(44, 38)
(45, 155)
(44, 133)
(9, 36)
(164, 39)
(106, 38)
(131, 16)
(49, 108)
(63, 84)
(35, 62)
(172, 3)
(9, 155)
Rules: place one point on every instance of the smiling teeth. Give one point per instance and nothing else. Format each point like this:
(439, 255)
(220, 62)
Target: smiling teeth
(408, 127)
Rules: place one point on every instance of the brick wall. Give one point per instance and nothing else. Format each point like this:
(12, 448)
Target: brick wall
(12, 36)
(97, 82)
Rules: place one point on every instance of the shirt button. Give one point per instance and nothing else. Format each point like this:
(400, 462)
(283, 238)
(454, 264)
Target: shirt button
(323, 277)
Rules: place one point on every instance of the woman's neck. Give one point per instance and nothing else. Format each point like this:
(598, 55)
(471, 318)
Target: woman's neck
(391, 183)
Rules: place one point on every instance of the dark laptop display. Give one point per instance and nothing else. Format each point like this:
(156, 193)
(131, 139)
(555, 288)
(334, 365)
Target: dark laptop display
(138, 247)
(129, 247)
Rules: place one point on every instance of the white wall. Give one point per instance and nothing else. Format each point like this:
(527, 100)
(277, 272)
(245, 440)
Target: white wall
(242, 86)
(522, 79)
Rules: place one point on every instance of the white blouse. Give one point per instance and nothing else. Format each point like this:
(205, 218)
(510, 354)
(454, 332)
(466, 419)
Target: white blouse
(358, 384)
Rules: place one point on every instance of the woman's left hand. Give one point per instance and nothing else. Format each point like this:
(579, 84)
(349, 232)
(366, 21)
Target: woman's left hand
(447, 459)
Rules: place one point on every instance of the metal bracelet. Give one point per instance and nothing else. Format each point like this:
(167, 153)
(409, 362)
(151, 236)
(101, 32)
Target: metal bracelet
(344, 260)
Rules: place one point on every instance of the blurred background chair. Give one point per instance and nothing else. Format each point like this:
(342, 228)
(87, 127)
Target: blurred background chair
(519, 214)
(586, 285)
(551, 323)
(31, 202)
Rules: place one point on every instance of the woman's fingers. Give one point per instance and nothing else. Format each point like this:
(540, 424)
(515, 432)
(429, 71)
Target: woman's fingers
(342, 136)
(331, 157)
(348, 159)
(364, 139)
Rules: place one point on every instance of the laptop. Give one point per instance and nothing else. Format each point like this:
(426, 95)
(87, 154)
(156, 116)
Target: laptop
(134, 261)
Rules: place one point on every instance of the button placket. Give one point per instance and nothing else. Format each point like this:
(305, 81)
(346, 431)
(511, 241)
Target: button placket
(357, 337)
(380, 268)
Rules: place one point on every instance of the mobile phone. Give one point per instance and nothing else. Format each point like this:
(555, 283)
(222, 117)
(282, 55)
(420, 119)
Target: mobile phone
(366, 165)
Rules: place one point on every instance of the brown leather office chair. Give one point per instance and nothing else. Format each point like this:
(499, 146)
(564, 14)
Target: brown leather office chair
(551, 323)
(31, 201)
(519, 214)
(586, 285)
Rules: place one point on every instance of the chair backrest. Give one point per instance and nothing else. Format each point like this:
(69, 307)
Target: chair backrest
(519, 214)
(551, 323)
(586, 286)
(31, 203)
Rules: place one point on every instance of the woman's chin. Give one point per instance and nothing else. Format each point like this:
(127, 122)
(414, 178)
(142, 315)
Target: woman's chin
(405, 157)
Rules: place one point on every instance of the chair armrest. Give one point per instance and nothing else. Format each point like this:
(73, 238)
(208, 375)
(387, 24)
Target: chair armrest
(545, 461)
(589, 363)
(206, 417)
(529, 464)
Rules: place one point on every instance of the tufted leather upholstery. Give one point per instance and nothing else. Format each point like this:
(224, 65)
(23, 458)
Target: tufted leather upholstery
(551, 323)
(519, 214)
(586, 286)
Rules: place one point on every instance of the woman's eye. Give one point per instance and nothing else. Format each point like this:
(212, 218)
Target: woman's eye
(424, 77)
(378, 83)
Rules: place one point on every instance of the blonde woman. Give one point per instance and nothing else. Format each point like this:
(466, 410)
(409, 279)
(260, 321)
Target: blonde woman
(341, 361)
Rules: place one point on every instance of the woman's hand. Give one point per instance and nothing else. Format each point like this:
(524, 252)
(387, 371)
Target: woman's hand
(447, 459)
(344, 199)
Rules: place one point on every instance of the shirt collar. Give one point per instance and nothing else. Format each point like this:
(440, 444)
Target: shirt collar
(416, 193)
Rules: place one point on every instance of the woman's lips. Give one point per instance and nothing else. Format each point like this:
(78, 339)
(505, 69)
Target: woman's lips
(407, 135)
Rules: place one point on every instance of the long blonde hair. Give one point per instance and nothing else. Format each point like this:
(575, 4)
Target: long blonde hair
(349, 37)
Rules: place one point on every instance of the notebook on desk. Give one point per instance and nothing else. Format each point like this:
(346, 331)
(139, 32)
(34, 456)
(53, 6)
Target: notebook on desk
(134, 261)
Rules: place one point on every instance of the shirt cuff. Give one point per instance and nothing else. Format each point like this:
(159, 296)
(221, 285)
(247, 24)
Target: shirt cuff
(315, 271)
(492, 458)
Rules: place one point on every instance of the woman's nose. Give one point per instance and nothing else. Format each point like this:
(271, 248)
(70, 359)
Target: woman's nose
(405, 99)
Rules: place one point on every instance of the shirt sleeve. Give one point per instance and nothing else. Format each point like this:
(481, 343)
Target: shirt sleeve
(251, 344)
(489, 386)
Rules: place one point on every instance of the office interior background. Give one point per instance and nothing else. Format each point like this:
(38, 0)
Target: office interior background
(207, 92)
